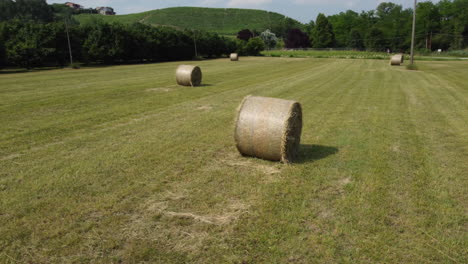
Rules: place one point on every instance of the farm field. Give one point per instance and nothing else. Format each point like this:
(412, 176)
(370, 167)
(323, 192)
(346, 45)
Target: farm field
(120, 165)
(224, 21)
(351, 54)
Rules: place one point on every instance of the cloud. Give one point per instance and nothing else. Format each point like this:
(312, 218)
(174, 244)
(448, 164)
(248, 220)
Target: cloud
(319, 2)
(242, 3)
(210, 2)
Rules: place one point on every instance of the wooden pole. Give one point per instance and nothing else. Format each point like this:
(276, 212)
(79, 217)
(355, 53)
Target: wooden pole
(414, 32)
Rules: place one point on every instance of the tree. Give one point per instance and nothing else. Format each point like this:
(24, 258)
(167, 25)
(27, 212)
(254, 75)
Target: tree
(7, 10)
(245, 34)
(2, 48)
(376, 40)
(322, 35)
(427, 21)
(254, 46)
(297, 39)
(342, 25)
(355, 40)
(29, 44)
(33, 10)
(281, 29)
(269, 39)
(105, 42)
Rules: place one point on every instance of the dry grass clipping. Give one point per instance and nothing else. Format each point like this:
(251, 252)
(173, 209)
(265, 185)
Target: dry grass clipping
(234, 57)
(396, 60)
(188, 75)
(269, 128)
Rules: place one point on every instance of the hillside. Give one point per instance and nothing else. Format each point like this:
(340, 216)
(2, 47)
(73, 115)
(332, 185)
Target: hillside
(220, 20)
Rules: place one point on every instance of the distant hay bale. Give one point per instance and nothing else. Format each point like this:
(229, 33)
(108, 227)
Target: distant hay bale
(234, 57)
(269, 128)
(188, 75)
(396, 60)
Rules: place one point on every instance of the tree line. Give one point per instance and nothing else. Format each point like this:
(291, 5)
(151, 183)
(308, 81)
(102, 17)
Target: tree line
(443, 25)
(38, 37)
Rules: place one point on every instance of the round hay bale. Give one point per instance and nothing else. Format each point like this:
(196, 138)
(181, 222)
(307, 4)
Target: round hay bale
(188, 75)
(234, 57)
(396, 60)
(402, 58)
(269, 128)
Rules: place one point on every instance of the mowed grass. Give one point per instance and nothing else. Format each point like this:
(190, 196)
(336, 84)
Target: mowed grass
(120, 165)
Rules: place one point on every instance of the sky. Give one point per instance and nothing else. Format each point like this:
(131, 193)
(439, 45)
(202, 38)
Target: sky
(302, 10)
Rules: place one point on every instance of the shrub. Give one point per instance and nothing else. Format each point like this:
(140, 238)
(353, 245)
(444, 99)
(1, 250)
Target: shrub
(412, 67)
(269, 39)
(245, 35)
(254, 47)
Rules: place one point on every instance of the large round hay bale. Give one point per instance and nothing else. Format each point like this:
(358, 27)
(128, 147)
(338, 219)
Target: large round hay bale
(396, 60)
(402, 58)
(269, 128)
(188, 75)
(234, 57)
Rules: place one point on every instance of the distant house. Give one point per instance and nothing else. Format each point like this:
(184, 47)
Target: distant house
(105, 10)
(74, 6)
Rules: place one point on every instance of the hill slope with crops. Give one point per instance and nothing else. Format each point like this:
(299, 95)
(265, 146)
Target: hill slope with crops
(226, 21)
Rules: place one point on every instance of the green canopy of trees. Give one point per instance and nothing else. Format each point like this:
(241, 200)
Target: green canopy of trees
(441, 25)
(322, 34)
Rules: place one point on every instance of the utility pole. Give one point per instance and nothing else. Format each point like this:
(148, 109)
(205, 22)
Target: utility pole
(69, 44)
(414, 32)
(195, 42)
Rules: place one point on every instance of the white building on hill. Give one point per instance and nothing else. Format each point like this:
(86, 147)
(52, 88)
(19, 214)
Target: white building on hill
(105, 10)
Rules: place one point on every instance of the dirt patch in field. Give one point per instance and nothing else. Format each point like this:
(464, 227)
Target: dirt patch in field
(345, 181)
(160, 90)
(186, 229)
(205, 107)
(237, 160)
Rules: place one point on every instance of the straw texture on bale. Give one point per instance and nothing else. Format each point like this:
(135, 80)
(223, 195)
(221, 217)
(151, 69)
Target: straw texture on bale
(269, 128)
(188, 75)
(234, 57)
(396, 60)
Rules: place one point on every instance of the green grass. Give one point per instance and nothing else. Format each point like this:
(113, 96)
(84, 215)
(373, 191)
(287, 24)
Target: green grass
(120, 165)
(349, 54)
(227, 21)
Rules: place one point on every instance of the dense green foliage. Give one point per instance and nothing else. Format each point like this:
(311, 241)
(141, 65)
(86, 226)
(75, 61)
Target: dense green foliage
(254, 47)
(442, 25)
(322, 33)
(29, 44)
(296, 38)
(269, 38)
(35, 10)
(245, 34)
(224, 21)
(355, 40)
(2, 47)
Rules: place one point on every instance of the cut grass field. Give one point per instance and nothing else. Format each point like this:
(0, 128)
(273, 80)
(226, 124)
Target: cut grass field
(120, 165)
